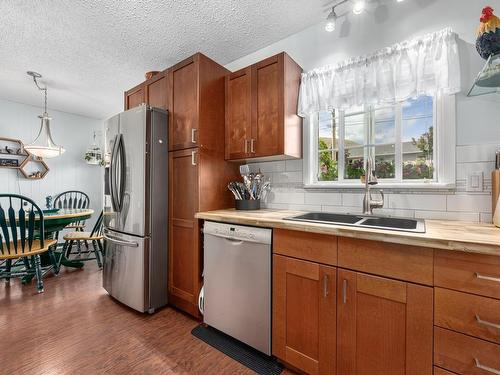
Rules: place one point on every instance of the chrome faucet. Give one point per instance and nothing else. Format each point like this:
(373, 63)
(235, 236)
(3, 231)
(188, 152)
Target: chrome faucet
(370, 180)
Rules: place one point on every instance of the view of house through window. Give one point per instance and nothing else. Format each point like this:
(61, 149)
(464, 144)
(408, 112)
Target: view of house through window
(399, 138)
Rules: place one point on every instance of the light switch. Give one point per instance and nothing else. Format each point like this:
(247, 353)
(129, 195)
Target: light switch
(475, 181)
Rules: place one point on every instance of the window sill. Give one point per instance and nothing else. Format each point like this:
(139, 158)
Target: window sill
(382, 185)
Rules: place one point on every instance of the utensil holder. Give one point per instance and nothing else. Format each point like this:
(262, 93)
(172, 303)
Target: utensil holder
(248, 204)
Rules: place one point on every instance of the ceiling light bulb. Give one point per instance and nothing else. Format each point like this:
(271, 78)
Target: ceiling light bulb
(331, 21)
(358, 7)
(400, 1)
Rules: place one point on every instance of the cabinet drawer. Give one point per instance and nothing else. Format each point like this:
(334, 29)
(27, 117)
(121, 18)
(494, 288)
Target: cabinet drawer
(467, 313)
(321, 248)
(403, 262)
(473, 273)
(464, 354)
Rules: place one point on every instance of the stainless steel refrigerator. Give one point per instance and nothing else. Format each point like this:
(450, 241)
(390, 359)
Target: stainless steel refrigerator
(136, 208)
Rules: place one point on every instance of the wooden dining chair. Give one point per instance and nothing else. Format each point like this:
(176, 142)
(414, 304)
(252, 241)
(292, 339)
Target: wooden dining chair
(95, 237)
(22, 239)
(70, 200)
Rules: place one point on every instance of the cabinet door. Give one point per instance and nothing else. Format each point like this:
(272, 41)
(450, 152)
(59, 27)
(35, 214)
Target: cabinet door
(134, 97)
(184, 250)
(238, 114)
(304, 298)
(156, 92)
(268, 122)
(384, 326)
(183, 98)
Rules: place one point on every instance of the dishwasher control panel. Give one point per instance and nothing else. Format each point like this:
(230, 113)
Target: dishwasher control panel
(238, 232)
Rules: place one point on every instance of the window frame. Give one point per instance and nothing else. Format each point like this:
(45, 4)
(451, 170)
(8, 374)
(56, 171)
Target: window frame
(444, 123)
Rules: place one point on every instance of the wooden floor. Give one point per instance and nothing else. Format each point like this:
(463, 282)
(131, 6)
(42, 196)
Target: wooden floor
(76, 328)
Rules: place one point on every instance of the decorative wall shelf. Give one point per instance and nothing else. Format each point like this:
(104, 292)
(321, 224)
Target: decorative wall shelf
(34, 168)
(14, 156)
(12, 153)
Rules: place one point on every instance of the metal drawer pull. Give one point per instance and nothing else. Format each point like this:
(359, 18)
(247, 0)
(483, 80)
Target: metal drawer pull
(326, 289)
(486, 323)
(193, 157)
(489, 278)
(246, 146)
(486, 368)
(344, 291)
(252, 149)
(193, 135)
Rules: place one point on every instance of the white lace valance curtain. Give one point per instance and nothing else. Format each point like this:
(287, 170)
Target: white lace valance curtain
(428, 65)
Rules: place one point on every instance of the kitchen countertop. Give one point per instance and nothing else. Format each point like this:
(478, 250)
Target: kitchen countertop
(440, 234)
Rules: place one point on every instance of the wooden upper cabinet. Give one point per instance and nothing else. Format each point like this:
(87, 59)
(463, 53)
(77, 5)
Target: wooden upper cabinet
(384, 326)
(183, 79)
(304, 299)
(267, 132)
(238, 114)
(152, 92)
(156, 91)
(275, 128)
(134, 97)
(196, 104)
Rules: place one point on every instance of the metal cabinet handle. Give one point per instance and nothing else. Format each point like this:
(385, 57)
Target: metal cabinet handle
(486, 277)
(193, 135)
(252, 149)
(193, 157)
(246, 146)
(326, 285)
(344, 291)
(486, 368)
(486, 323)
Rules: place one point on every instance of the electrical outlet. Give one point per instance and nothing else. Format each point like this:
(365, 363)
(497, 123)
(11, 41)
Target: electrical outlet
(475, 181)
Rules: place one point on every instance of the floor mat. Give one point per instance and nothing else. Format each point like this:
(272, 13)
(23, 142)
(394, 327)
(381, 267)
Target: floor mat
(244, 354)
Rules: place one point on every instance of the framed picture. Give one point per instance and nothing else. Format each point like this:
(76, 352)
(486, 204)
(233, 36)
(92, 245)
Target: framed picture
(9, 162)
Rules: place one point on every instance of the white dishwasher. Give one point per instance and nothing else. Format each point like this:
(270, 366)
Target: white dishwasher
(237, 282)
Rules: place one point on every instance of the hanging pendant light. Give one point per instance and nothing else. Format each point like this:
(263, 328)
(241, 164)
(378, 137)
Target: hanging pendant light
(43, 146)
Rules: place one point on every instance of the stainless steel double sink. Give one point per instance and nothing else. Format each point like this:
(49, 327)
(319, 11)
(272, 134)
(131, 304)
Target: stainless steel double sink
(367, 221)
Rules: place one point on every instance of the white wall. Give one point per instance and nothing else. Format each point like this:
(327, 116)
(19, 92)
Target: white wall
(68, 171)
(478, 119)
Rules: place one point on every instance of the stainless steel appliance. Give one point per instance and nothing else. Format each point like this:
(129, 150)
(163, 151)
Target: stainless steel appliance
(237, 282)
(136, 208)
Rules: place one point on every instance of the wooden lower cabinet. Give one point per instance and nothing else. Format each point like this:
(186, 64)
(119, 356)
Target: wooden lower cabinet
(304, 298)
(384, 326)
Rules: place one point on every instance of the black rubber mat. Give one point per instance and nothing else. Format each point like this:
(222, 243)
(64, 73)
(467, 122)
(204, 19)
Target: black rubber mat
(244, 354)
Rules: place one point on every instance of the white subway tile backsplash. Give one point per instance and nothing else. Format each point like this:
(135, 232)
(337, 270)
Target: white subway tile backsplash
(417, 201)
(486, 217)
(469, 203)
(286, 197)
(448, 215)
(352, 199)
(293, 165)
(476, 153)
(464, 169)
(286, 177)
(322, 198)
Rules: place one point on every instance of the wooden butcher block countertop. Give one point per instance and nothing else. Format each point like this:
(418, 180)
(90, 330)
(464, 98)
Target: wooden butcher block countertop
(440, 234)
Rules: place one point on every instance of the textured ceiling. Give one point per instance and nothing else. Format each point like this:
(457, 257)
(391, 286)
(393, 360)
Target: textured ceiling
(90, 51)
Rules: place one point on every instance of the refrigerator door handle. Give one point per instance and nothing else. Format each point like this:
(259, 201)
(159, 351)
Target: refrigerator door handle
(122, 171)
(120, 242)
(112, 168)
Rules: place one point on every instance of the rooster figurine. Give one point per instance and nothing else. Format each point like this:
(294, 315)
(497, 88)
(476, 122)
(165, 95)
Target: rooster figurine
(488, 34)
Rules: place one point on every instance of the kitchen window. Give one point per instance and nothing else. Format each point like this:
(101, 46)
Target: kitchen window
(412, 143)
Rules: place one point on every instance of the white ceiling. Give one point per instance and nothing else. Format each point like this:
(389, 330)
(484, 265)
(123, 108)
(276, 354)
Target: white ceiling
(90, 51)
